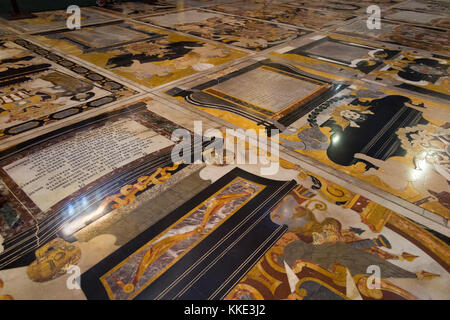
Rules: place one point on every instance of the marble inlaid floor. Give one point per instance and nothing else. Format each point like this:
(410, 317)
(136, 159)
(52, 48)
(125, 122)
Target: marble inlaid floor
(237, 31)
(99, 199)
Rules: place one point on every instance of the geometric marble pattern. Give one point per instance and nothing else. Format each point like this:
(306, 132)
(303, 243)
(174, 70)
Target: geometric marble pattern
(269, 106)
(369, 134)
(92, 198)
(353, 55)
